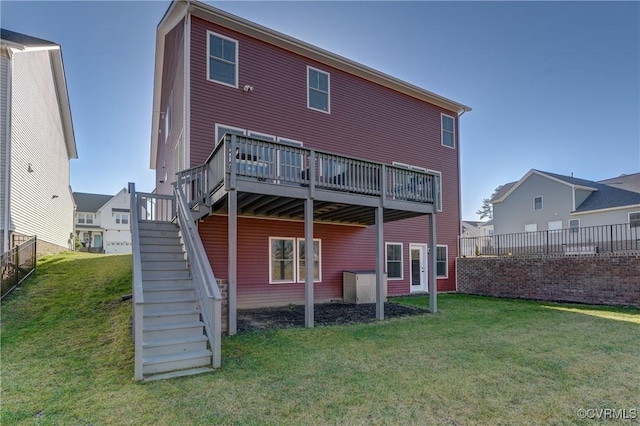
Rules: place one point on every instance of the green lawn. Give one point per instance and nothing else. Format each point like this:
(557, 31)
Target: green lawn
(67, 358)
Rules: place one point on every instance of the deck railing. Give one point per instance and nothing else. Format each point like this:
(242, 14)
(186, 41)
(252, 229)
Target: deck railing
(569, 241)
(16, 265)
(205, 282)
(154, 207)
(193, 184)
(138, 296)
(242, 157)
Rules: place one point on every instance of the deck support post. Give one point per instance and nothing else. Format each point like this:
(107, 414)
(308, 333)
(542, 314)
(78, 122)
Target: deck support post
(379, 263)
(232, 260)
(433, 282)
(308, 255)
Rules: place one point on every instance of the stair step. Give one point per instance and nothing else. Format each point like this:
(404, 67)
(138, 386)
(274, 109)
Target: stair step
(160, 256)
(160, 248)
(172, 330)
(159, 306)
(159, 240)
(167, 274)
(166, 295)
(167, 284)
(158, 347)
(161, 265)
(179, 373)
(184, 360)
(174, 232)
(157, 226)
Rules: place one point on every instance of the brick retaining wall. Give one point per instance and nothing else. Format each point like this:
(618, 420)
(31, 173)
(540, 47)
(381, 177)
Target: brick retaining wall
(603, 279)
(223, 285)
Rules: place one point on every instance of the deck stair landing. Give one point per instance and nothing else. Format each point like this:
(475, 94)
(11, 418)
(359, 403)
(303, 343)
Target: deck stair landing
(174, 340)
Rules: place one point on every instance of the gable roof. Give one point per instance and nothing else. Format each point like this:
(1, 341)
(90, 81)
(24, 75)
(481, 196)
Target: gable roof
(603, 196)
(18, 42)
(627, 182)
(178, 9)
(90, 203)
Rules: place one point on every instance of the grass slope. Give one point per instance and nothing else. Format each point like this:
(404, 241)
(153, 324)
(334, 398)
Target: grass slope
(67, 358)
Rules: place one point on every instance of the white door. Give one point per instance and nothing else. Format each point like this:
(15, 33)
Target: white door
(418, 267)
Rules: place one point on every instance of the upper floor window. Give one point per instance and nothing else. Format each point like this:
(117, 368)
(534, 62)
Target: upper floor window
(537, 203)
(86, 218)
(448, 131)
(634, 220)
(122, 218)
(222, 64)
(317, 89)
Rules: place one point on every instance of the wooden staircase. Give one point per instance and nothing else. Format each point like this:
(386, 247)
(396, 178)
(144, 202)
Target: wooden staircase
(174, 340)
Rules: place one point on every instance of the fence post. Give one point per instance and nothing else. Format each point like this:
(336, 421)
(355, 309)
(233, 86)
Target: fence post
(611, 238)
(546, 249)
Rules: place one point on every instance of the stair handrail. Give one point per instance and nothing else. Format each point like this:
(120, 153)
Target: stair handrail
(138, 297)
(202, 274)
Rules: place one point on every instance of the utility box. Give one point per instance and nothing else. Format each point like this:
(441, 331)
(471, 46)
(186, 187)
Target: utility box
(359, 286)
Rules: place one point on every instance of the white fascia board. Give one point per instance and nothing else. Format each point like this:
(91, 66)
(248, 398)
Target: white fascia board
(608, 209)
(173, 15)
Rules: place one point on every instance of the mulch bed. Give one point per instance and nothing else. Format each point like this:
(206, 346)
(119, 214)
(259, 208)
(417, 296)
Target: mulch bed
(324, 314)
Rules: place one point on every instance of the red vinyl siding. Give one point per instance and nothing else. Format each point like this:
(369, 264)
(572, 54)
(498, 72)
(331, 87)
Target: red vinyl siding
(343, 248)
(367, 121)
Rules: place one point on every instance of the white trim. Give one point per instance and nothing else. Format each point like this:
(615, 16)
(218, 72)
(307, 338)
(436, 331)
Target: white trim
(403, 165)
(424, 276)
(208, 58)
(386, 260)
(167, 117)
(218, 125)
(446, 262)
(302, 279)
(442, 130)
(629, 218)
(258, 135)
(328, 111)
(289, 141)
(295, 260)
(541, 202)
(630, 206)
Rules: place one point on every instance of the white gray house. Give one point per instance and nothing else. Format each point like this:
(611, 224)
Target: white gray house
(542, 201)
(37, 144)
(103, 222)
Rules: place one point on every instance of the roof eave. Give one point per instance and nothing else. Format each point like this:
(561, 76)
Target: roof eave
(65, 106)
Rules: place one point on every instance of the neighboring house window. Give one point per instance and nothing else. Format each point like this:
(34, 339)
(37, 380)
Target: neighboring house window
(122, 218)
(441, 261)
(490, 231)
(531, 227)
(86, 218)
(574, 225)
(537, 203)
(282, 260)
(302, 262)
(634, 220)
(317, 89)
(555, 225)
(394, 261)
(222, 66)
(448, 131)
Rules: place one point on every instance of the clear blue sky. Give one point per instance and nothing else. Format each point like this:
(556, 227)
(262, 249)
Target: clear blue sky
(553, 86)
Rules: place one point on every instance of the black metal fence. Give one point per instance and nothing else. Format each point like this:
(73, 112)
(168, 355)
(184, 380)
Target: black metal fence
(570, 241)
(16, 265)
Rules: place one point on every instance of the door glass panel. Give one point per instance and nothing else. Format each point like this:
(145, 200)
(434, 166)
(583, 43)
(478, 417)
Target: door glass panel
(415, 267)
